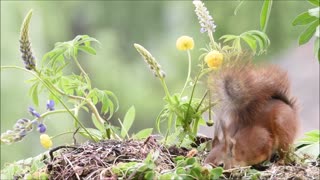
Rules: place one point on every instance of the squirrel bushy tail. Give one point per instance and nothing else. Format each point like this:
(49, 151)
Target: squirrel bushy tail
(244, 88)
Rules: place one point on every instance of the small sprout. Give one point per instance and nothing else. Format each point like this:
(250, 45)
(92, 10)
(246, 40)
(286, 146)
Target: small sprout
(25, 44)
(45, 141)
(205, 20)
(214, 59)
(185, 43)
(50, 105)
(42, 128)
(34, 112)
(151, 61)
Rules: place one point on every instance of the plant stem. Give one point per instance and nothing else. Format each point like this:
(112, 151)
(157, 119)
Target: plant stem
(82, 71)
(165, 88)
(195, 125)
(192, 93)
(61, 134)
(210, 114)
(189, 72)
(211, 38)
(54, 112)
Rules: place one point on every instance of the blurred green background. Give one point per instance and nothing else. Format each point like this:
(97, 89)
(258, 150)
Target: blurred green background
(117, 66)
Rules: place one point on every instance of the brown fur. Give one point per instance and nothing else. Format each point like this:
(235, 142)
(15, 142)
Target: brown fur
(256, 117)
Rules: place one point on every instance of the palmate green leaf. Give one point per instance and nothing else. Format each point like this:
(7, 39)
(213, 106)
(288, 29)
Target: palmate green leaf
(308, 33)
(265, 14)
(260, 37)
(144, 133)
(314, 2)
(303, 19)
(128, 121)
(70, 48)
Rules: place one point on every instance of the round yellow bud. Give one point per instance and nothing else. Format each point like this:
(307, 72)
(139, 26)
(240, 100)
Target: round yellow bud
(185, 43)
(214, 59)
(45, 141)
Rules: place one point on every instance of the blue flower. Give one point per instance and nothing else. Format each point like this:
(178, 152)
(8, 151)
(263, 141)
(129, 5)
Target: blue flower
(50, 105)
(42, 128)
(34, 112)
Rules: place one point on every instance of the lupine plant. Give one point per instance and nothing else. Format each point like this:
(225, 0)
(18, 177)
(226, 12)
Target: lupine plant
(73, 91)
(184, 112)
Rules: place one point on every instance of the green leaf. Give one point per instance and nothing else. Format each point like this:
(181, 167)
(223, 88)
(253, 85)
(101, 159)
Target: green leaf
(228, 37)
(97, 123)
(113, 97)
(251, 41)
(261, 37)
(314, 2)
(308, 33)
(216, 173)
(195, 172)
(88, 49)
(265, 13)
(191, 161)
(303, 19)
(34, 93)
(97, 135)
(313, 133)
(127, 121)
(144, 133)
(150, 175)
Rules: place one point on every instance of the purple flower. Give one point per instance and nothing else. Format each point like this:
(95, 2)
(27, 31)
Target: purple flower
(42, 128)
(50, 105)
(205, 20)
(34, 112)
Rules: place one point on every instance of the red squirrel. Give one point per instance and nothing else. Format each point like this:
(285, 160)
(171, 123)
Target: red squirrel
(256, 116)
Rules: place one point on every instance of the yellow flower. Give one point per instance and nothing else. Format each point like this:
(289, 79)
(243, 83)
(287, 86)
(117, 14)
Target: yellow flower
(214, 59)
(185, 43)
(45, 141)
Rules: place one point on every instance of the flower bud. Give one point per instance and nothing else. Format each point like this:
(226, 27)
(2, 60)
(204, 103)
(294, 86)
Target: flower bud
(45, 141)
(42, 128)
(50, 105)
(34, 112)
